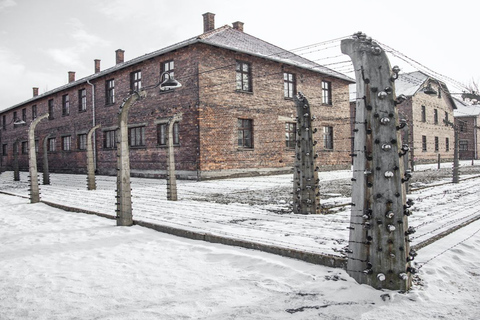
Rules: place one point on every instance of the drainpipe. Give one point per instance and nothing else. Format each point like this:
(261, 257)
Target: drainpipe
(93, 125)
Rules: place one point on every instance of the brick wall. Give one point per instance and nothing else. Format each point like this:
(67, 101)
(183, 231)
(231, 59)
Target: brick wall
(208, 131)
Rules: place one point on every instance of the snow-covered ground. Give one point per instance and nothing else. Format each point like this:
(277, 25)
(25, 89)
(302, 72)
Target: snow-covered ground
(256, 209)
(64, 265)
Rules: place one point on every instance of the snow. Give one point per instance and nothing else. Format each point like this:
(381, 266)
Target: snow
(65, 265)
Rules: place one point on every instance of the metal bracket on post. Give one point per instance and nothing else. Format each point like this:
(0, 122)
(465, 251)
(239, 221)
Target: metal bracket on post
(32, 160)
(379, 253)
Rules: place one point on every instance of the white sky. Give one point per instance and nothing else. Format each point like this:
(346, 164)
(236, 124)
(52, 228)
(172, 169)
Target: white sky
(40, 41)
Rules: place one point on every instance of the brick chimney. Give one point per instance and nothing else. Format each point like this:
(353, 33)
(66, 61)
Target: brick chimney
(35, 91)
(97, 65)
(238, 26)
(71, 76)
(119, 57)
(208, 22)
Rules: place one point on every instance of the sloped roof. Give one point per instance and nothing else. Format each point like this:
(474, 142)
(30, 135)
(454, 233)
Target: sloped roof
(230, 38)
(223, 37)
(409, 83)
(465, 110)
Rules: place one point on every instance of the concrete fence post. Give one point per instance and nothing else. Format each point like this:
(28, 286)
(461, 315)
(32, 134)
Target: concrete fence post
(46, 173)
(124, 192)
(171, 178)
(91, 185)
(378, 252)
(32, 160)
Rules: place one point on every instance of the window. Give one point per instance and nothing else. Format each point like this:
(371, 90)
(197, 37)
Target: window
(66, 143)
(82, 141)
(424, 143)
(24, 147)
(50, 109)
(463, 145)
(447, 144)
(82, 100)
(4, 122)
(162, 134)
(4, 149)
(34, 112)
(51, 144)
(328, 138)
(136, 80)
(110, 139)
(24, 115)
(446, 116)
(424, 114)
(36, 145)
(14, 117)
(435, 116)
(289, 85)
(110, 91)
(243, 76)
(245, 133)
(136, 136)
(436, 144)
(326, 92)
(462, 126)
(290, 134)
(169, 68)
(65, 105)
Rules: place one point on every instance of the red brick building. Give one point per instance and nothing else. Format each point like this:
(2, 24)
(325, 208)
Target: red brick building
(236, 99)
(467, 120)
(427, 107)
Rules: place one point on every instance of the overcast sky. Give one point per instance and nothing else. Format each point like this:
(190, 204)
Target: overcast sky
(41, 40)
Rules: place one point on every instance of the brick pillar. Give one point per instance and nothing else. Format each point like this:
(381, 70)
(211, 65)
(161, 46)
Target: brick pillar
(97, 65)
(119, 56)
(71, 76)
(238, 26)
(208, 22)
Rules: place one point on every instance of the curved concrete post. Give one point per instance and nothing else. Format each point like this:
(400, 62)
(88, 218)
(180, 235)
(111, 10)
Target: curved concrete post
(171, 178)
(32, 160)
(91, 185)
(124, 192)
(46, 173)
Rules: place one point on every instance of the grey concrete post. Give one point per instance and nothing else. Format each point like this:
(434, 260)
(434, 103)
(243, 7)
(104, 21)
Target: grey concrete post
(91, 185)
(456, 163)
(16, 168)
(32, 160)
(46, 173)
(124, 192)
(379, 254)
(171, 178)
(306, 196)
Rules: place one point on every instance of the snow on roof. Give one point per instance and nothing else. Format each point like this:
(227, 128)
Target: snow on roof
(409, 83)
(465, 110)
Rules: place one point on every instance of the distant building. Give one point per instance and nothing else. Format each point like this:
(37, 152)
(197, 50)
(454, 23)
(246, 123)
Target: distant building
(427, 109)
(467, 122)
(236, 100)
